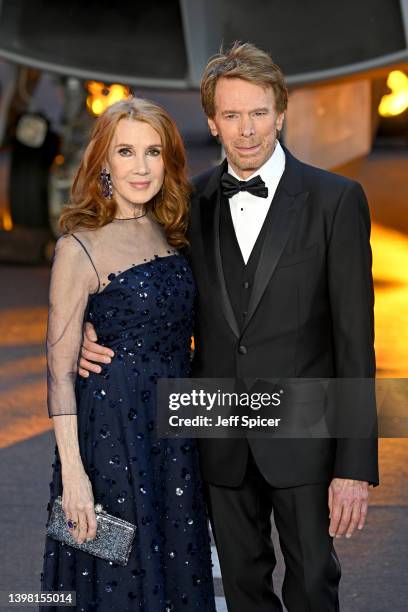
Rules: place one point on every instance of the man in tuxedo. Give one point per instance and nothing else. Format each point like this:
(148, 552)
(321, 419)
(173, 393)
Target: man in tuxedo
(281, 256)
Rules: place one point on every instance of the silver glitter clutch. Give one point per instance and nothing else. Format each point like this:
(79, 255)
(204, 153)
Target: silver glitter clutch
(113, 540)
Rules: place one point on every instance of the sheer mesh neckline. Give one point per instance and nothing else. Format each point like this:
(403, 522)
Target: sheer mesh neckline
(121, 246)
(113, 275)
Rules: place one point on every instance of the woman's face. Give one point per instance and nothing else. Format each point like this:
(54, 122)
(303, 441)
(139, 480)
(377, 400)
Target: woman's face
(135, 163)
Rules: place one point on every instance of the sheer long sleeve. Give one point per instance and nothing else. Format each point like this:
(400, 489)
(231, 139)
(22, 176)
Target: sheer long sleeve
(73, 278)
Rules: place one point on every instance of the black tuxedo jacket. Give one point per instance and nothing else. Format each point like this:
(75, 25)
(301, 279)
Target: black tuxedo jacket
(310, 315)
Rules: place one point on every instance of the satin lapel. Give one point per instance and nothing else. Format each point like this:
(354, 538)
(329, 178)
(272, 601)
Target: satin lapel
(279, 228)
(210, 228)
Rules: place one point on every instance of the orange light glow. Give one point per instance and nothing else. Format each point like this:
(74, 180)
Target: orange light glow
(101, 96)
(59, 160)
(390, 271)
(396, 102)
(7, 221)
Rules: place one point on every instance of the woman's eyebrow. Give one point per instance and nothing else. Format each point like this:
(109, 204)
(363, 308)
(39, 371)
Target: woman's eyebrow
(123, 144)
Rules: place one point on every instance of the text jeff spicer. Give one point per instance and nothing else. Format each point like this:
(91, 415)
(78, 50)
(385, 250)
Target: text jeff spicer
(231, 421)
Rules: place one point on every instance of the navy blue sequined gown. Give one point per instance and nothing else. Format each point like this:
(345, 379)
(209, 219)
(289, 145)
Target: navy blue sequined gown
(145, 315)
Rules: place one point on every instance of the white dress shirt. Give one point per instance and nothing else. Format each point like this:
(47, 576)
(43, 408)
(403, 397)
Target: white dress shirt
(249, 211)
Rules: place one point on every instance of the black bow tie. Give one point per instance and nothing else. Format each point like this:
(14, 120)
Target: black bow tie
(231, 186)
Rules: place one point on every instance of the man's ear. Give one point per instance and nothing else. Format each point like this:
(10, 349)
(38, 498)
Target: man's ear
(212, 126)
(279, 121)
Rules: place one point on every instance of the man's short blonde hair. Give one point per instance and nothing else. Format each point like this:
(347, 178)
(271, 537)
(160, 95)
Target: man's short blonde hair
(243, 61)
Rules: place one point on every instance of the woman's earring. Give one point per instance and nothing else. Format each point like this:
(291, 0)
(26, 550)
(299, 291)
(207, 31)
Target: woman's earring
(106, 183)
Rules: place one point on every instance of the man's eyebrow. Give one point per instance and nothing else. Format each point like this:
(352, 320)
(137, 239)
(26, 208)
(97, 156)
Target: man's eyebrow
(254, 110)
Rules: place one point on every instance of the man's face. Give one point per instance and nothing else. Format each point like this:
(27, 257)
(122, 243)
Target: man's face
(246, 122)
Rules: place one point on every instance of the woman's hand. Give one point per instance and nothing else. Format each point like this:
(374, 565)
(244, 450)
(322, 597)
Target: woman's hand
(78, 504)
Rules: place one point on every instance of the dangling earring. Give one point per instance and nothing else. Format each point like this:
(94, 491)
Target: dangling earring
(106, 183)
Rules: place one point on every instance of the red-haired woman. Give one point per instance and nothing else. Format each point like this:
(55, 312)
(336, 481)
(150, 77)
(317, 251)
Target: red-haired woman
(118, 266)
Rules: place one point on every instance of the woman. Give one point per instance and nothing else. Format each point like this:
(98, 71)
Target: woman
(117, 265)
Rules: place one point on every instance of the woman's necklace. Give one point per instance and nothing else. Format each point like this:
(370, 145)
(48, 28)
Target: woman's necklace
(129, 218)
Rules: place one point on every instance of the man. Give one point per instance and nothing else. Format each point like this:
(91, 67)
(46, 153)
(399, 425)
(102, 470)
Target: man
(281, 257)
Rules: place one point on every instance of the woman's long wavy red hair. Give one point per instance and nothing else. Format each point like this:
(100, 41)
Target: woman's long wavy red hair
(88, 209)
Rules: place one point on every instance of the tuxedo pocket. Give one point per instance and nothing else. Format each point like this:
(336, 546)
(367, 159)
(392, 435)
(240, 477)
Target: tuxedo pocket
(298, 257)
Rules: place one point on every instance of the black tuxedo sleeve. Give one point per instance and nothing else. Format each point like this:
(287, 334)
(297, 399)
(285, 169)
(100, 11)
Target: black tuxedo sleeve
(352, 307)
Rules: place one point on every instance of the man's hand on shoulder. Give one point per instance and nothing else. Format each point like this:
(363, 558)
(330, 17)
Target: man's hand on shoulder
(348, 505)
(92, 353)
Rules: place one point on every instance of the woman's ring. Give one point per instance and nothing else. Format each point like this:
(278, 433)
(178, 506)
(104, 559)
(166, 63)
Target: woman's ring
(71, 524)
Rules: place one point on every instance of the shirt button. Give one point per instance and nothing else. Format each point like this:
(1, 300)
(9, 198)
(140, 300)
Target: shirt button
(246, 285)
(242, 349)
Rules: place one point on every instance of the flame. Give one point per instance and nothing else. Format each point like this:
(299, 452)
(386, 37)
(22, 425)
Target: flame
(101, 96)
(396, 102)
